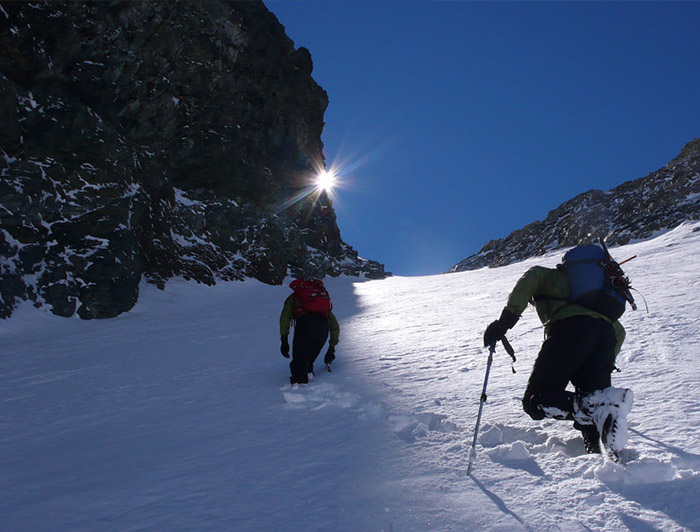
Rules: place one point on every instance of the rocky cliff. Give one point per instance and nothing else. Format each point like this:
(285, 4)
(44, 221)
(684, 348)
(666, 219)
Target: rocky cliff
(154, 139)
(634, 210)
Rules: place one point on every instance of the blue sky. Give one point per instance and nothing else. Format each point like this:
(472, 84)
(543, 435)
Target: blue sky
(459, 122)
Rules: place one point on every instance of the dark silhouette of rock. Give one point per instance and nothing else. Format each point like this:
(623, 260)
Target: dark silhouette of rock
(149, 140)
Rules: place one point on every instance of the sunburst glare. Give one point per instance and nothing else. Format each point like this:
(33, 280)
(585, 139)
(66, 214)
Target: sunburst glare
(326, 181)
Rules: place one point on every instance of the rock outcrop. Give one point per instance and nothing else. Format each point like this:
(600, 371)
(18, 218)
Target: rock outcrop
(148, 140)
(634, 210)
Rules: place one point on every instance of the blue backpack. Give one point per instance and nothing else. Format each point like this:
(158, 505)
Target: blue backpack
(596, 281)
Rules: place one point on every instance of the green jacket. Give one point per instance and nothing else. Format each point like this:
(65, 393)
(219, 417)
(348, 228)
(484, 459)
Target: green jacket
(287, 317)
(548, 289)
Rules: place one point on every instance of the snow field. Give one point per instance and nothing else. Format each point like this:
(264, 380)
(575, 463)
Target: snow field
(177, 415)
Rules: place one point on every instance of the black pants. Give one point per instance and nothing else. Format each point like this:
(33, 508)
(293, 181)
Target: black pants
(310, 333)
(580, 350)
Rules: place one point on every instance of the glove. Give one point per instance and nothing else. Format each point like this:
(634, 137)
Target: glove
(284, 348)
(496, 330)
(330, 355)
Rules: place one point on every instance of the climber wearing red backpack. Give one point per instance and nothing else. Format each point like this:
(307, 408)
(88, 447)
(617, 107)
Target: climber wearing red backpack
(309, 310)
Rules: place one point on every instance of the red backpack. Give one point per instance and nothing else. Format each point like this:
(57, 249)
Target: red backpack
(311, 296)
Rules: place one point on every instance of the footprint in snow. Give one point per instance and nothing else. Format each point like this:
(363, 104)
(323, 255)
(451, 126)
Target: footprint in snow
(534, 440)
(316, 396)
(638, 471)
(409, 428)
(494, 435)
(516, 456)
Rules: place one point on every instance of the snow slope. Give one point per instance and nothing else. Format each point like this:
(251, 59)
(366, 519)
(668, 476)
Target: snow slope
(177, 416)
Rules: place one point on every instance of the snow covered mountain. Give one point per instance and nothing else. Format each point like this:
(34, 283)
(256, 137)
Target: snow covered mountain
(156, 140)
(634, 210)
(175, 416)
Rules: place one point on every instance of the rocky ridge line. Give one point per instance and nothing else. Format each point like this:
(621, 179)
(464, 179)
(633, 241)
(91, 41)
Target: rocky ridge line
(634, 210)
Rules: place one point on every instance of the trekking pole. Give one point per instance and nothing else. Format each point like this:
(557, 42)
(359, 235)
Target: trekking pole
(472, 451)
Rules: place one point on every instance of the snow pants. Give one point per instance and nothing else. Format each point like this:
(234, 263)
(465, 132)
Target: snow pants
(579, 350)
(310, 334)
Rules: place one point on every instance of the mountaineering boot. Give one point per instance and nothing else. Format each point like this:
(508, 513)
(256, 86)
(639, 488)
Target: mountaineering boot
(591, 438)
(607, 409)
(608, 435)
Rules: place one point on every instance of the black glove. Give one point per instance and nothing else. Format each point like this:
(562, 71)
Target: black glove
(496, 330)
(330, 355)
(284, 348)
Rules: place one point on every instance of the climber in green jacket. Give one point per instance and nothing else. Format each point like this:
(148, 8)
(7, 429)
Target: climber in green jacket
(580, 347)
(312, 327)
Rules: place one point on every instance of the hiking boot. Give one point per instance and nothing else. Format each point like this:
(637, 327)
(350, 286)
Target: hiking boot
(298, 380)
(591, 438)
(610, 437)
(606, 409)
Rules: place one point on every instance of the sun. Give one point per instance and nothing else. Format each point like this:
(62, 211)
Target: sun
(325, 181)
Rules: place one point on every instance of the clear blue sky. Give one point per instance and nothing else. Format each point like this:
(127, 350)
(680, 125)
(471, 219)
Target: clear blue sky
(459, 122)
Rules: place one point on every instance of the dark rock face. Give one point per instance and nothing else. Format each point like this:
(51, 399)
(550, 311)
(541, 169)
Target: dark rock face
(148, 140)
(634, 210)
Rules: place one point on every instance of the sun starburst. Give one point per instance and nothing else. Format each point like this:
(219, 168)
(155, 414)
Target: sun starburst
(326, 181)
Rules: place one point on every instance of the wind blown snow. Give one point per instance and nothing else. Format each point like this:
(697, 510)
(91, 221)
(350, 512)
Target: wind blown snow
(177, 415)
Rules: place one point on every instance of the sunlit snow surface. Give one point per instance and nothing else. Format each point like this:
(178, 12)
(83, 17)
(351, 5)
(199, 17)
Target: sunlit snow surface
(177, 415)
